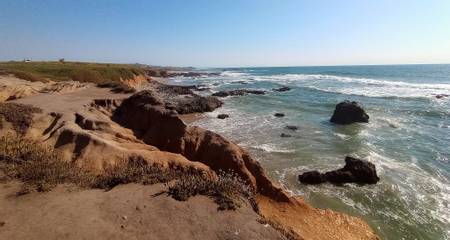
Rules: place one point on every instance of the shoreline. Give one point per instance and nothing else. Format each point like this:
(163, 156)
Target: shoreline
(288, 212)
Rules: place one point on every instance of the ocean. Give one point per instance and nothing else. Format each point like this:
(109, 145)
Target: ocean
(407, 138)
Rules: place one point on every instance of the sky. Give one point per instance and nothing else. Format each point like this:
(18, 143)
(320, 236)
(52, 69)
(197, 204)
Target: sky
(227, 33)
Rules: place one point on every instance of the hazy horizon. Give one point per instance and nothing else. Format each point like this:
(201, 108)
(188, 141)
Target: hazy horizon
(227, 34)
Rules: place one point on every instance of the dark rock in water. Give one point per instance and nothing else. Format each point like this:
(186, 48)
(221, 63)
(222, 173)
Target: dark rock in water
(223, 116)
(279, 114)
(313, 177)
(354, 171)
(281, 89)
(240, 82)
(439, 96)
(347, 112)
(285, 135)
(291, 127)
(238, 92)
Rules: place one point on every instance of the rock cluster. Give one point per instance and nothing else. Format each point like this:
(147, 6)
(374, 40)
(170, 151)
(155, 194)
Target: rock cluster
(354, 171)
(238, 92)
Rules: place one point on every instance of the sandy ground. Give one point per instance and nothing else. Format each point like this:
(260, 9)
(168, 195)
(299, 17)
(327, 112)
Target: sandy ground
(126, 212)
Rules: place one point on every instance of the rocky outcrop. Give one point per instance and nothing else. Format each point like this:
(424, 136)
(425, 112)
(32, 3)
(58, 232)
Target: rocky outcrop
(347, 112)
(12, 88)
(180, 98)
(238, 92)
(354, 171)
(162, 128)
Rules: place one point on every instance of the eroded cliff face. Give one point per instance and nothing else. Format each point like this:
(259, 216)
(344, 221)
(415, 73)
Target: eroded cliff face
(162, 128)
(93, 128)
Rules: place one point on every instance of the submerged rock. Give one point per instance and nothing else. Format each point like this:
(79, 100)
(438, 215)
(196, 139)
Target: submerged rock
(279, 114)
(347, 112)
(238, 92)
(281, 89)
(439, 96)
(223, 116)
(291, 127)
(285, 135)
(354, 171)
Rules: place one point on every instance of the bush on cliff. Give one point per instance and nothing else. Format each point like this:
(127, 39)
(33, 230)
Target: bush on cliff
(41, 169)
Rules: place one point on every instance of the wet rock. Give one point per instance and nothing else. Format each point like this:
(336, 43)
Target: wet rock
(285, 135)
(347, 112)
(439, 96)
(238, 92)
(313, 177)
(291, 127)
(223, 116)
(279, 114)
(240, 82)
(355, 171)
(281, 89)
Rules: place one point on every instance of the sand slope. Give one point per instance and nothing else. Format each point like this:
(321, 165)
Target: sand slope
(127, 212)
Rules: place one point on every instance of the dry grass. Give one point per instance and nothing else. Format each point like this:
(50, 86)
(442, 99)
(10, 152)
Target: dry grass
(37, 166)
(134, 170)
(19, 115)
(117, 87)
(41, 169)
(227, 190)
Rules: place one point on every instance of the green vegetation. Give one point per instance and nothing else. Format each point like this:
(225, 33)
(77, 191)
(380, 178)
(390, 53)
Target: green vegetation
(77, 71)
(41, 169)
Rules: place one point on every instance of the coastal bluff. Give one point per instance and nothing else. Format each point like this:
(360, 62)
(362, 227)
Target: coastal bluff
(93, 128)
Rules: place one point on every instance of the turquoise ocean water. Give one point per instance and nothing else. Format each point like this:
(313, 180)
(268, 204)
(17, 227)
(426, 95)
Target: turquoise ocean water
(408, 137)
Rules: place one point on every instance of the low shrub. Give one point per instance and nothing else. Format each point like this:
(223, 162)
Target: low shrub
(37, 166)
(135, 170)
(19, 115)
(227, 190)
(41, 169)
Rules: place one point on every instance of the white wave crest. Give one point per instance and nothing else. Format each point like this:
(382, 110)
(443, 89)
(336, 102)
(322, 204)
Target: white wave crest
(360, 86)
(233, 74)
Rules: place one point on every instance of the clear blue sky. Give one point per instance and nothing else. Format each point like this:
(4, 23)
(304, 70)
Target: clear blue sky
(227, 33)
